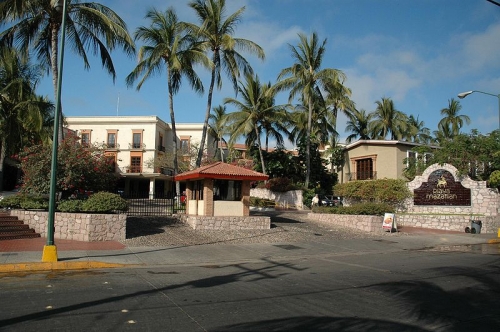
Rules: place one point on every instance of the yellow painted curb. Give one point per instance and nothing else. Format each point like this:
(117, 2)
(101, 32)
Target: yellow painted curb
(493, 241)
(49, 266)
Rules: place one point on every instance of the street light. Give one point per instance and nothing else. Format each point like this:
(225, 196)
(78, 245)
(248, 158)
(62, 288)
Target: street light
(50, 250)
(462, 95)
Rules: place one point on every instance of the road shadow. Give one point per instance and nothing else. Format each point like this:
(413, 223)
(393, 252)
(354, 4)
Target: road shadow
(142, 226)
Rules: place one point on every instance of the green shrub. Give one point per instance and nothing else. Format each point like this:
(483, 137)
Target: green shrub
(390, 191)
(307, 196)
(494, 181)
(70, 205)
(260, 202)
(104, 202)
(367, 209)
(280, 185)
(25, 201)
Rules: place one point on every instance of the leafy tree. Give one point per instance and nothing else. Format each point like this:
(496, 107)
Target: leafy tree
(169, 46)
(452, 120)
(22, 112)
(416, 131)
(215, 33)
(218, 127)
(387, 120)
(306, 78)
(475, 155)
(36, 25)
(78, 167)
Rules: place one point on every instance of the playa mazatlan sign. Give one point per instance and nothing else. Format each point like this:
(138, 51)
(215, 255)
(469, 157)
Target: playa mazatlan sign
(441, 189)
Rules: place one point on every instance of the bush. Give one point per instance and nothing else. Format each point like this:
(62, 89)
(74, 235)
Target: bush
(280, 185)
(494, 181)
(390, 191)
(104, 202)
(70, 205)
(25, 201)
(260, 202)
(367, 209)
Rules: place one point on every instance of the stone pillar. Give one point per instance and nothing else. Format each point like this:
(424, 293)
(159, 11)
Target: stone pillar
(151, 188)
(189, 189)
(245, 197)
(208, 196)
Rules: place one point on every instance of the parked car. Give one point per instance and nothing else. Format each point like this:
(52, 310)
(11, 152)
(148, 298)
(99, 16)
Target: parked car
(329, 200)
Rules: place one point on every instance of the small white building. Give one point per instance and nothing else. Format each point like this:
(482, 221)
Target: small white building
(135, 142)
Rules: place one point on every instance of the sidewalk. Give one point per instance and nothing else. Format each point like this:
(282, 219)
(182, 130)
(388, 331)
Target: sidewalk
(25, 255)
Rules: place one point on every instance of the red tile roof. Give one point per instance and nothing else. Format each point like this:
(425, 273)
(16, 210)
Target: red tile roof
(222, 170)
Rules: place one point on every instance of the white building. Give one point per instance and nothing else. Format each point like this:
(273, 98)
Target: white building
(135, 142)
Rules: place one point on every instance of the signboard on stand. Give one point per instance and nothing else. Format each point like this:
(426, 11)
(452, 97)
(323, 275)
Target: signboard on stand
(389, 222)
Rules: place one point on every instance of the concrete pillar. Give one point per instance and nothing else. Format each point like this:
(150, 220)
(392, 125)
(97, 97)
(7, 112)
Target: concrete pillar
(208, 196)
(151, 188)
(245, 197)
(189, 190)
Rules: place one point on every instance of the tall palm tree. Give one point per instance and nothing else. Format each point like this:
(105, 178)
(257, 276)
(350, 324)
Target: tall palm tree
(254, 111)
(358, 125)
(388, 120)
(306, 78)
(218, 127)
(452, 119)
(339, 99)
(216, 32)
(416, 131)
(167, 47)
(22, 113)
(89, 26)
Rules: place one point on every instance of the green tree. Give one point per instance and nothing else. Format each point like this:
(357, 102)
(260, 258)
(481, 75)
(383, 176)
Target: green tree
(36, 25)
(218, 127)
(167, 46)
(306, 78)
(22, 112)
(416, 131)
(78, 167)
(215, 33)
(358, 125)
(254, 112)
(387, 120)
(453, 121)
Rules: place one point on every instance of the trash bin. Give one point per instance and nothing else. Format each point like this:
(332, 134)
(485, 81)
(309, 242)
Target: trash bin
(475, 226)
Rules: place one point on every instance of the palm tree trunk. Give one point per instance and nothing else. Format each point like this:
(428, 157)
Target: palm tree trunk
(308, 143)
(2, 159)
(207, 113)
(260, 151)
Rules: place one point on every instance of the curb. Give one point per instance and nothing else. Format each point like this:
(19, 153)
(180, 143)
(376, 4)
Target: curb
(494, 241)
(51, 266)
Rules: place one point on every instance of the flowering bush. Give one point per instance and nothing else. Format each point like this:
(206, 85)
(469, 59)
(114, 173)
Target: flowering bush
(77, 167)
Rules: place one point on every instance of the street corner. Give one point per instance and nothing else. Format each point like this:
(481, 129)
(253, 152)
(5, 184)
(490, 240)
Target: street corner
(55, 266)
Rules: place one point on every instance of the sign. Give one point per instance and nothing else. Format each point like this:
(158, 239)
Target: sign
(442, 189)
(389, 222)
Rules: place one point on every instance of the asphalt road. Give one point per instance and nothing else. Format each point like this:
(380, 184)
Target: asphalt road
(446, 289)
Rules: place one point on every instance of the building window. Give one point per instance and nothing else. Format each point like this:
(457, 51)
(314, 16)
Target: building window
(112, 140)
(136, 140)
(135, 164)
(227, 190)
(161, 147)
(184, 146)
(364, 169)
(85, 139)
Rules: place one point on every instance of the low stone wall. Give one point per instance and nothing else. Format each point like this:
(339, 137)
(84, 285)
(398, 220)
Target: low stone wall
(363, 223)
(225, 223)
(374, 223)
(77, 226)
(288, 200)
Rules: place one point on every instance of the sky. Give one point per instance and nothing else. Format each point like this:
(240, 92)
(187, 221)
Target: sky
(419, 53)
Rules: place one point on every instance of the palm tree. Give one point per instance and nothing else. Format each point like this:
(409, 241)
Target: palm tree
(358, 125)
(218, 127)
(416, 131)
(167, 45)
(89, 26)
(339, 99)
(388, 120)
(255, 110)
(452, 119)
(306, 78)
(216, 36)
(22, 113)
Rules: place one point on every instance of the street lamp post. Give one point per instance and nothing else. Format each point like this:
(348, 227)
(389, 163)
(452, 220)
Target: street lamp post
(50, 250)
(462, 95)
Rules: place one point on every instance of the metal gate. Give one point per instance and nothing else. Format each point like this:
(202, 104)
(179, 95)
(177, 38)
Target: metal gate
(141, 204)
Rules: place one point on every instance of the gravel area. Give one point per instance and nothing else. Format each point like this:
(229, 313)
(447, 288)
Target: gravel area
(285, 227)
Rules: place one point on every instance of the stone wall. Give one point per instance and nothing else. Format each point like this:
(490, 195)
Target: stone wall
(288, 200)
(363, 223)
(227, 223)
(77, 226)
(457, 223)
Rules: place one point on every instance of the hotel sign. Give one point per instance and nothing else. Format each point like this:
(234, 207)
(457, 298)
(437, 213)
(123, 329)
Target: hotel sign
(441, 189)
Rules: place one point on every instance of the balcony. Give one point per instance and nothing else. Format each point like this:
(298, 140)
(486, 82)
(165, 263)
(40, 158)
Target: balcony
(131, 169)
(111, 146)
(137, 146)
(368, 175)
